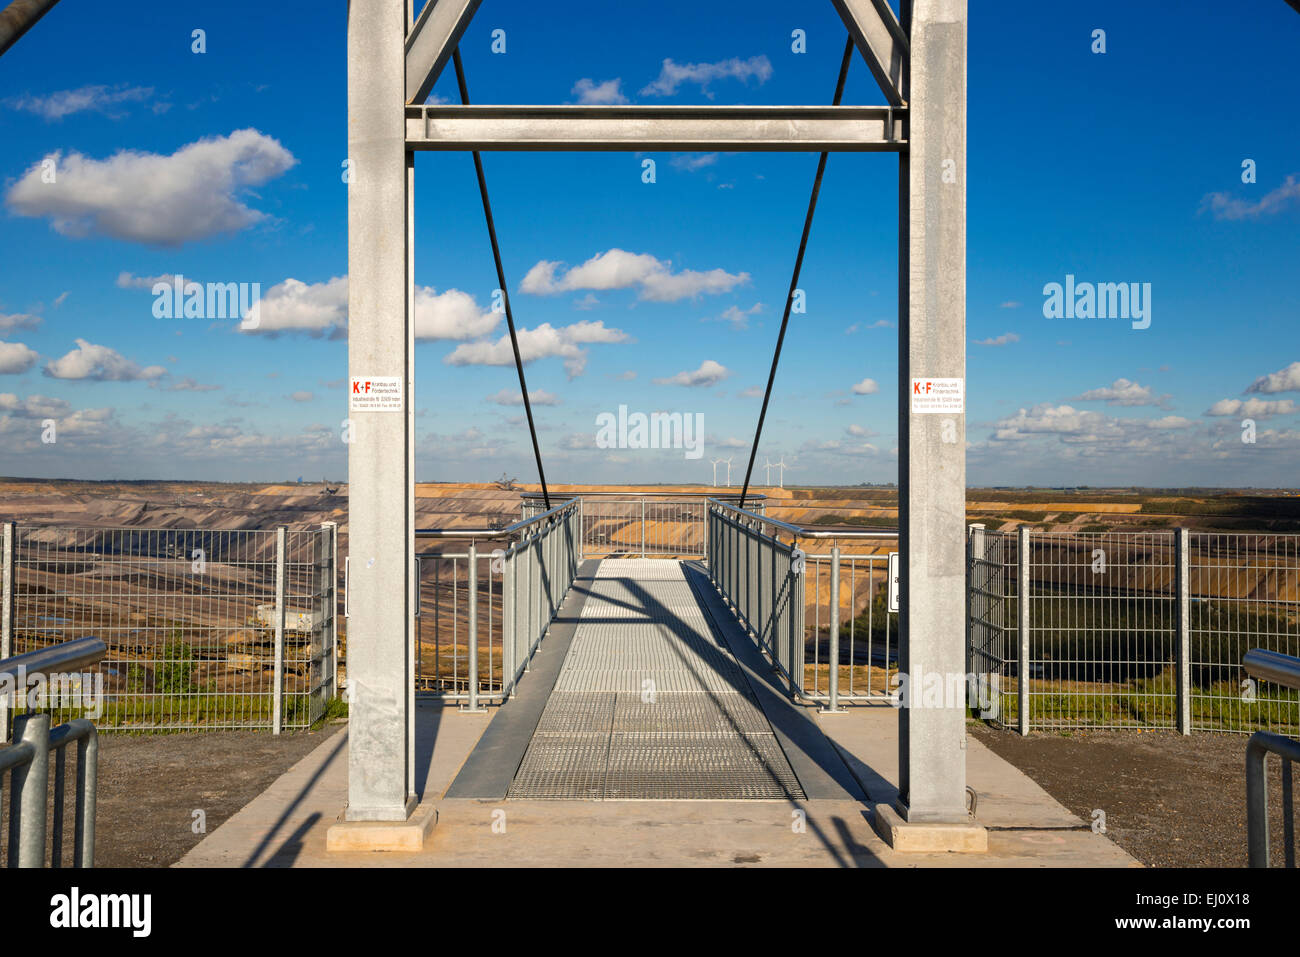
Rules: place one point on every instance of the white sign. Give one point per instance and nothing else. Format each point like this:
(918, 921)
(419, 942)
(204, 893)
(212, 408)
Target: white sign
(376, 394)
(938, 395)
(893, 581)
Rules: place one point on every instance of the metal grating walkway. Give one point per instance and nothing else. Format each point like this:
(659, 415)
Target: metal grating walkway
(650, 705)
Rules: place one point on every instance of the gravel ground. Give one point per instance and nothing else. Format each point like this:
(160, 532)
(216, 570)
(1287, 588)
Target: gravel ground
(1170, 800)
(150, 785)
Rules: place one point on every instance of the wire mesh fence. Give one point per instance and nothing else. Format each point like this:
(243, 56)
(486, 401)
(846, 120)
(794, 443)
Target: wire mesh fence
(1244, 593)
(1134, 630)
(205, 628)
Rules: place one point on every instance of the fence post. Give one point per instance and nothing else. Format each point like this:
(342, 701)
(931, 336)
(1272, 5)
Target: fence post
(1183, 629)
(643, 527)
(833, 658)
(277, 694)
(30, 785)
(9, 586)
(329, 605)
(974, 554)
(1022, 631)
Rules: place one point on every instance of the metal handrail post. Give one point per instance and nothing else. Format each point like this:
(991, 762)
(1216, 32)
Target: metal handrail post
(833, 706)
(472, 706)
(30, 784)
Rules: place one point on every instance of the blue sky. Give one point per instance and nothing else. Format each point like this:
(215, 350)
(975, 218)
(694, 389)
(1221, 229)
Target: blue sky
(226, 166)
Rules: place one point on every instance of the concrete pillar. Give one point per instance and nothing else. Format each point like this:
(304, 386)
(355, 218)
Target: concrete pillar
(380, 452)
(932, 445)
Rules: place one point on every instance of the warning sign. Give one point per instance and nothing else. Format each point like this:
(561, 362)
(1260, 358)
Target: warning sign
(376, 394)
(938, 395)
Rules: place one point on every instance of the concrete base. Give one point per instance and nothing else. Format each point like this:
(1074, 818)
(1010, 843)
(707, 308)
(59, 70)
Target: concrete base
(907, 838)
(408, 835)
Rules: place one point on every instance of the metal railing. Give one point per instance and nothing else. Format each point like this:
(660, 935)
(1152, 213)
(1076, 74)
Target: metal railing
(850, 662)
(1283, 670)
(205, 628)
(762, 579)
(825, 659)
(36, 832)
(647, 524)
(479, 654)
(1132, 630)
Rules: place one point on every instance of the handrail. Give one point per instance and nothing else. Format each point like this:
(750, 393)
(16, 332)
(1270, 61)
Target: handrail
(704, 495)
(66, 656)
(805, 532)
(1258, 748)
(1272, 666)
(493, 532)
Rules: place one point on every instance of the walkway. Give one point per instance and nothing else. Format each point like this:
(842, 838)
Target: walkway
(650, 704)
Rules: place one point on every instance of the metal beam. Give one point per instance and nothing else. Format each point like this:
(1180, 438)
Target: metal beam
(430, 42)
(381, 503)
(881, 41)
(679, 128)
(932, 444)
(19, 17)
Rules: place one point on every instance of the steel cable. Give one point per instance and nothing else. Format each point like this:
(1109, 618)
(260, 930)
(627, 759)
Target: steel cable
(794, 281)
(501, 279)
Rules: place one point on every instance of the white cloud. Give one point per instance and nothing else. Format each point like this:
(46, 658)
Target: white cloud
(16, 358)
(739, 318)
(101, 364)
(1252, 408)
(1284, 380)
(101, 99)
(195, 193)
(753, 392)
(866, 387)
(17, 320)
(588, 91)
(620, 269)
(1122, 392)
(858, 431)
(544, 341)
(61, 298)
(672, 75)
(1079, 426)
(321, 309)
(708, 374)
(188, 384)
(1005, 339)
(515, 397)
(1224, 206)
(302, 395)
(1009, 304)
(126, 280)
(693, 161)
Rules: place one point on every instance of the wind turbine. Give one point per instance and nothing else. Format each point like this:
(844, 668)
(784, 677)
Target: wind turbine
(782, 466)
(767, 468)
(728, 461)
(715, 463)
